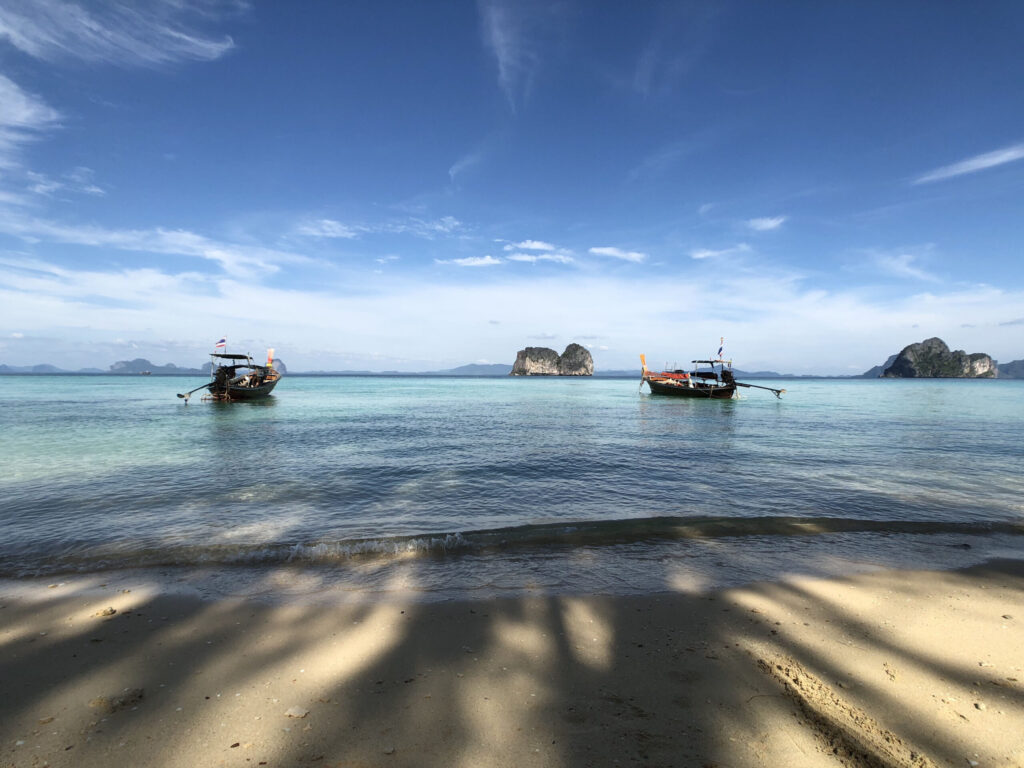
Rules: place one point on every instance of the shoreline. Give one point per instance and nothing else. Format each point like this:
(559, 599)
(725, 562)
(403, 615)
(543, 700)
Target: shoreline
(885, 668)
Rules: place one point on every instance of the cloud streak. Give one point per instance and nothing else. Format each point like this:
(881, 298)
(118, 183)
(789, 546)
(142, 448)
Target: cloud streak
(24, 117)
(123, 33)
(471, 261)
(974, 164)
(708, 253)
(902, 265)
(617, 253)
(514, 32)
(237, 260)
(766, 224)
(327, 228)
(533, 258)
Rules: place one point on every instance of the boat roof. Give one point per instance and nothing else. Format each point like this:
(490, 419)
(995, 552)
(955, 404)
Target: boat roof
(713, 362)
(230, 357)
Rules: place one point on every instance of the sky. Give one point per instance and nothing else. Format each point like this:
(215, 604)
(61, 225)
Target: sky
(386, 185)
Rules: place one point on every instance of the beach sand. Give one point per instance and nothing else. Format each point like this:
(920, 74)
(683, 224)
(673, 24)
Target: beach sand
(889, 668)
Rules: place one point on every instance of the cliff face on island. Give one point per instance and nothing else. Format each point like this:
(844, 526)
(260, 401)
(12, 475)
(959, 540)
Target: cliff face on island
(931, 358)
(542, 361)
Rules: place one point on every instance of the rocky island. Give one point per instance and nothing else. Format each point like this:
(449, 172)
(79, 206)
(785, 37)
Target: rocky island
(542, 361)
(932, 359)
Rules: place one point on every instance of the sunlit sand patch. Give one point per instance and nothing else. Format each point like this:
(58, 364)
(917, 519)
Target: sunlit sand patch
(591, 636)
(527, 637)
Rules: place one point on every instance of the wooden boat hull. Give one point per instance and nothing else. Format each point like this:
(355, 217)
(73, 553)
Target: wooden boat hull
(699, 390)
(235, 392)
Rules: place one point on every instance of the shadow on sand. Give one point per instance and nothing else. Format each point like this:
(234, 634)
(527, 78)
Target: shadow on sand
(801, 673)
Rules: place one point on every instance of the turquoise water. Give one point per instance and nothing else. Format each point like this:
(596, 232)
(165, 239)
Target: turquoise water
(506, 484)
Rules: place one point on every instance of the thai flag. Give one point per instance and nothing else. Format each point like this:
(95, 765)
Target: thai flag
(722, 342)
(221, 344)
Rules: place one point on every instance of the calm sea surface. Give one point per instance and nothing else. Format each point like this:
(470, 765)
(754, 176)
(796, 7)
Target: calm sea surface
(455, 487)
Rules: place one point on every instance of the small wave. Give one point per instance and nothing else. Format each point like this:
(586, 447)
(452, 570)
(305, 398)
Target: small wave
(526, 539)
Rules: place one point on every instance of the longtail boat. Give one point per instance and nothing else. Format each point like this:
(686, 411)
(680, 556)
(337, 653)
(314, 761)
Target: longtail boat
(715, 383)
(238, 377)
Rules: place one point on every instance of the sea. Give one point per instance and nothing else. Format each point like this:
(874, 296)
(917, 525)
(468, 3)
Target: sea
(433, 488)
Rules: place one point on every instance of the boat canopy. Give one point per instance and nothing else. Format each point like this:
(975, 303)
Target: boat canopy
(230, 357)
(713, 362)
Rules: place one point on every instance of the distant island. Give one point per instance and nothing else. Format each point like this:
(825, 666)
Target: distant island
(138, 366)
(543, 361)
(925, 364)
(933, 359)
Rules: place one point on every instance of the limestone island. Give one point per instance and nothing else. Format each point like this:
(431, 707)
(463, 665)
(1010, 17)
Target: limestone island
(542, 361)
(932, 359)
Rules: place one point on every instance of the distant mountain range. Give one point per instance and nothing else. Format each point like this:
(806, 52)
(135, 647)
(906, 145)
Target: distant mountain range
(1011, 370)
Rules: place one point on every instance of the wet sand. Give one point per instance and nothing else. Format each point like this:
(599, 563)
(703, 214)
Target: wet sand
(890, 668)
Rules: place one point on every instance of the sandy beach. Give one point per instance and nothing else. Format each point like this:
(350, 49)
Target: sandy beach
(889, 668)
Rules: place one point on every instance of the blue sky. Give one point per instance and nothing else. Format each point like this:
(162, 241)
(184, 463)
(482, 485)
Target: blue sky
(419, 185)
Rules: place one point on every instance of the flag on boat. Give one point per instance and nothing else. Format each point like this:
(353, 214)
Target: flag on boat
(722, 345)
(221, 344)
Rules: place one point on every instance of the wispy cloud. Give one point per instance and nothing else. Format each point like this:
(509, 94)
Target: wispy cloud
(533, 258)
(1018, 321)
(617, 253)
(117, 32)
(514, 31)
(23, 118)
(463, 164)
(708, 253)
(902, 265)
(530, 245)
(661, 160)
(78, 180)
(766, 224)
(974, 164)
(681, 37)
(234, 259)
(425, 228)
(326, 228)
(471, 261)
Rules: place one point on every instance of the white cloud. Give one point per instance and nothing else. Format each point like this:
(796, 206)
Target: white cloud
(126, 32)
(327, 228)
(79, 180)
(471, 261)
(530, 245)
(658, 162)
(425, 228)
(23, 118)
(766, 224)
(707, 253)
(617, 253)
(902, 265)
(239, 260)
(516, 32)
(974, 164)
(464, 163)
(504, 34)
(533, 258)
(769, 321)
